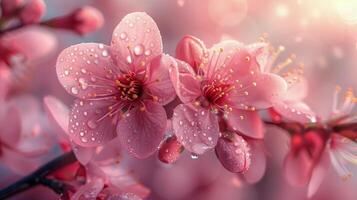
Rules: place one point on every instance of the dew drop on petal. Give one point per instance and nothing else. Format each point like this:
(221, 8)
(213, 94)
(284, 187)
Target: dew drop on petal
(101, 46)
(105, 53)
(138, 49)
(74, 90)
(123, 35)
(194, 156)
(92, 124)
(129, 59)
(148, 52)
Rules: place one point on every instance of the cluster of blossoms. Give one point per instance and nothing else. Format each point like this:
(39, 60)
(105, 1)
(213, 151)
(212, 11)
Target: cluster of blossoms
(131, 96)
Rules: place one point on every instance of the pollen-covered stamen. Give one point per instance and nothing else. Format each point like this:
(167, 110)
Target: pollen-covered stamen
(129, 87)
(215, 92)
(347, 105)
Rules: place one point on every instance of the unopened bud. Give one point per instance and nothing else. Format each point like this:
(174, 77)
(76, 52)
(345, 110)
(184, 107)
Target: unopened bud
(10, 7)
(170, 150)
(82, 21)
(32, 11)
(233, 152)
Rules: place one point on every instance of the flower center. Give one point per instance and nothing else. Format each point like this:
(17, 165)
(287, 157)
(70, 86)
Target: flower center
(129, 87)
(215, 92)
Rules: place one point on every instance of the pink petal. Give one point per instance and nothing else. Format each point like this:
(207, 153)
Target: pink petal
(257, 167)
(89, 191)
(57, 111)
(142, 129)
(185, 82)
(248, 123)
(296, 91)
(233, 152)
(317, 177)
(227, 60)
(91, 123)
(83, 154)
(10, 125)
(136, 40)
(196, 128)
(158, 83)
(87, 70)
(109, 153)
(191, 50)
(27, 41)
(296, 111)
(4, 81)
(258, 91)
(298, 168)
(17, 162)
(124, 196)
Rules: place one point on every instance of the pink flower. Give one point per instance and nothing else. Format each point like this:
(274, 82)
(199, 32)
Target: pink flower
(82, 21)
(290, 105)
(23, 134)
(9, 7)
(121, 88)
(20, 52)
(224, 82)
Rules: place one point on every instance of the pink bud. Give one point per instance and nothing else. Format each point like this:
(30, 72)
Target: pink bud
(191, 50)
(233, 152)
(9, 7)
(170, 150)
(32, 11)
(83, 20)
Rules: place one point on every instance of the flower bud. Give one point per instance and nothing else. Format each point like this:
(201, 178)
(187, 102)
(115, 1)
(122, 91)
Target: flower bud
(32, 11)
(170, 150)
(82, 21)
(191, 50)
(10, 7)
(233, 152)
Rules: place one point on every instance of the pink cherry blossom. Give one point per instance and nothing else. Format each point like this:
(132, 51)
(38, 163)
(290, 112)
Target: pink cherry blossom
(24, 134)
(121, 88)
(290, 104)
(225, 80)
(32, 11)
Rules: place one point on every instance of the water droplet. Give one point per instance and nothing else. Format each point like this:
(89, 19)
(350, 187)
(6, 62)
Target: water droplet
(129, 59)
(81, 134)
(123, 35)
(83, 83)
(147, 52)
(93, 79)
(66, 72)
(101, 46)
(74, 90)
(105, 53)
(138, 49)
(92, 124)
(131, 25)
(84, 140)
(83, 71)
(194, 156)
(181, 122)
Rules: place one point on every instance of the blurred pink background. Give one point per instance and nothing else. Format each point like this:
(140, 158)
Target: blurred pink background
(321, 33)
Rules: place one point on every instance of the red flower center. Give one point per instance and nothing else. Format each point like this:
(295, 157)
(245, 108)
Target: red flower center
(215, 92)
(129, 87)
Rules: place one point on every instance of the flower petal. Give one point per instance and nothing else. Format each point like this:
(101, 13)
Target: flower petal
(257, 167)
(57, 111)
(191, 50)
(185, 82)
(248, 123)
(141, 131)
(296, 91)
(196, 128)
(17, 162)
(87, 70)
(298, 168)
(10, 126)
(89, 191)
(91, 122)
(257, 91)
(136, 40)
(83, 154)
(158, 83)
(296, 111)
